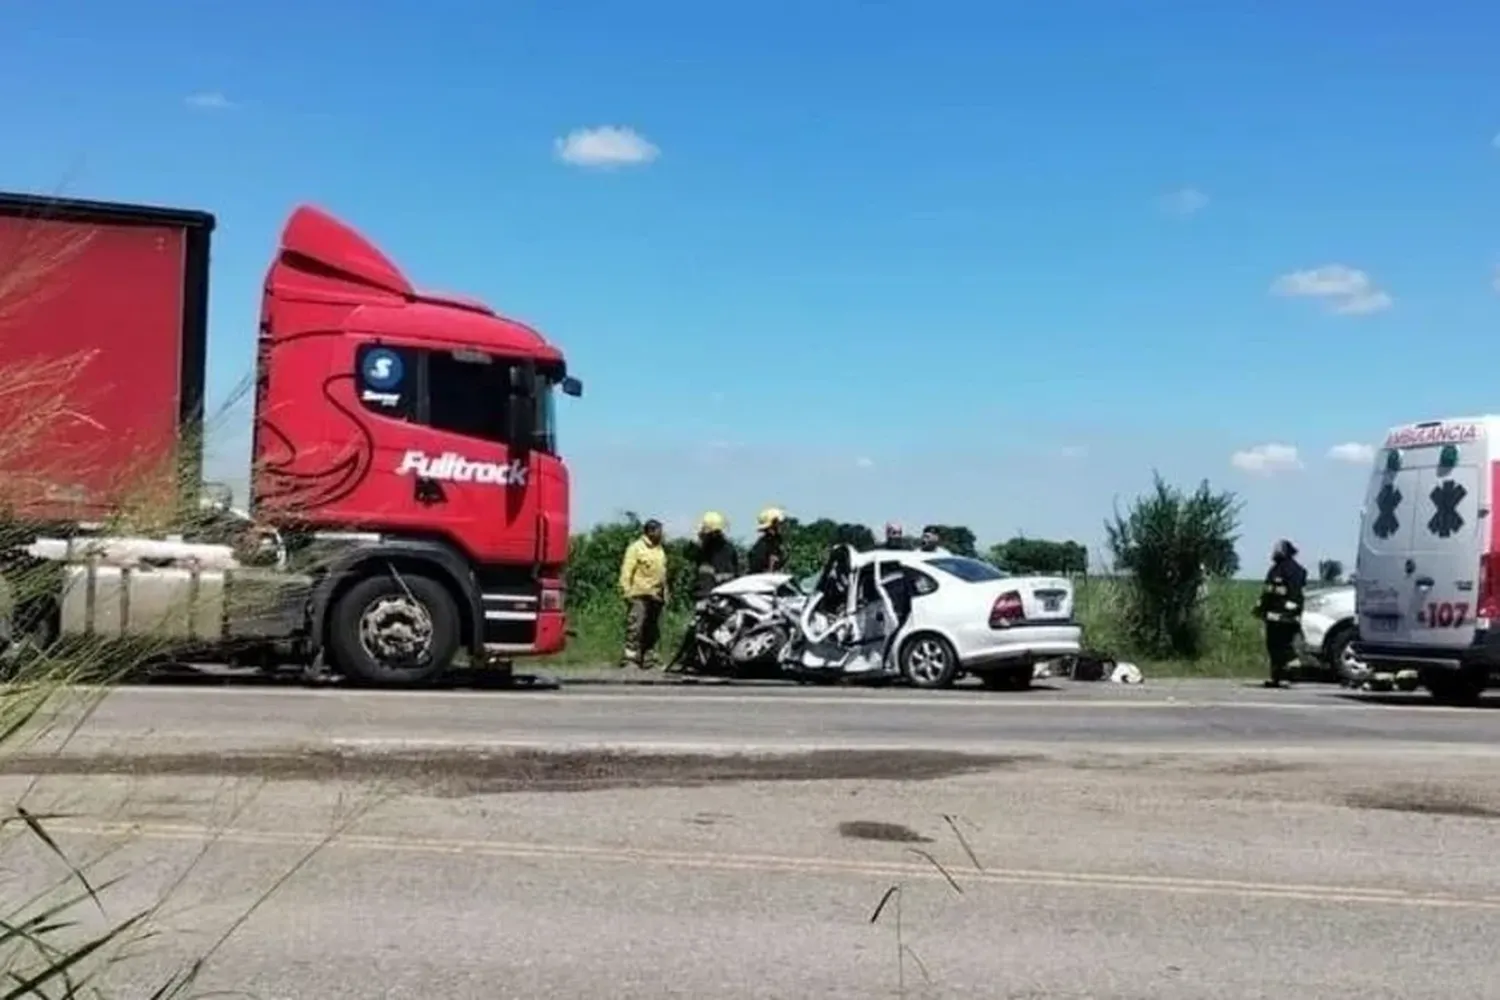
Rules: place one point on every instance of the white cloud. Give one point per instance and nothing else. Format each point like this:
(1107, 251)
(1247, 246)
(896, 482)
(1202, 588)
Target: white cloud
(208, 100)
(1353, 452)
(864, 463)
(1363, 304)
(1073, 451)
(1266, 459)
(605, 146)
(1184, 201)
(1344, 290)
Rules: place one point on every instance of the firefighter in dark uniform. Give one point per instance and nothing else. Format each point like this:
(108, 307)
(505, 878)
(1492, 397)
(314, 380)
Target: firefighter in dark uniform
(1280, 608)
(768, 554)
(715, 559)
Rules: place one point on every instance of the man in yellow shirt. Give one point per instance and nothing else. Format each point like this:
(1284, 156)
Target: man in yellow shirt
(643, 582)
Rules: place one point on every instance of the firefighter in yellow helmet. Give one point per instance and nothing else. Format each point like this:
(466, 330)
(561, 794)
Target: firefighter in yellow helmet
(715, 559)
(768, 554)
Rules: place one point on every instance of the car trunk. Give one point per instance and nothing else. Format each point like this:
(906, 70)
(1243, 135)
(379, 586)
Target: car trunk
(1043, 598)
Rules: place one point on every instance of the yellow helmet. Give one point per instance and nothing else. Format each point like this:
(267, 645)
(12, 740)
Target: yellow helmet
(769, 517)
(712, 521)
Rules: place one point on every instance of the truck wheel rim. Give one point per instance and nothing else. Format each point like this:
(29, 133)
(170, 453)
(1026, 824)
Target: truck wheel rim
(396, 629)
(927, 660)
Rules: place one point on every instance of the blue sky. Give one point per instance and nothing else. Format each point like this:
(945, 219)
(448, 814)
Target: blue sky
(983, 263)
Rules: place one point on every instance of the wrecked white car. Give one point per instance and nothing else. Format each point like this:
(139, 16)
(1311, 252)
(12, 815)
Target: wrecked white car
(929, 618)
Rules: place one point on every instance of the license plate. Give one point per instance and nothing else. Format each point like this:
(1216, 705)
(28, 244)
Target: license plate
(1385, 623)
(1052, 604)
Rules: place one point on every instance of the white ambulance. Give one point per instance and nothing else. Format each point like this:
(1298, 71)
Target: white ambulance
(1428, 571)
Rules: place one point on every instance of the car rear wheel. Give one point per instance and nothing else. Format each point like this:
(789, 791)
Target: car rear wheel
(929, 661)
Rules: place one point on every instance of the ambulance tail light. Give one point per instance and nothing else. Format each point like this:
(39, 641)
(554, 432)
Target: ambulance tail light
(1488, 606)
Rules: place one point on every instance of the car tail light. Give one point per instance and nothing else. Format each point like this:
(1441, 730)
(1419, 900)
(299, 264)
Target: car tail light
(1489, 586)
(1007, 610)
(552, 599)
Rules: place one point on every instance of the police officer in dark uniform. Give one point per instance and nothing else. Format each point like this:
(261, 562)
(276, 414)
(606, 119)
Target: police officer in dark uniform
(1280, 608)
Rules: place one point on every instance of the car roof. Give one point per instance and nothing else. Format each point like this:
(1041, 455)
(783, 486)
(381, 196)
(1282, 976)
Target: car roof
(914, 557)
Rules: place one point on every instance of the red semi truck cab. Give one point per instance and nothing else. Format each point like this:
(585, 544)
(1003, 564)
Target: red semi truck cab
(406, 469)
(421, 420)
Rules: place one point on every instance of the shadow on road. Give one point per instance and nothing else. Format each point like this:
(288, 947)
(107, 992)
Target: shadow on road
(1414, 699)
(188, 675)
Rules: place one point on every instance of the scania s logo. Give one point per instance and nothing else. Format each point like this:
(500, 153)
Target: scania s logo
(452, 467)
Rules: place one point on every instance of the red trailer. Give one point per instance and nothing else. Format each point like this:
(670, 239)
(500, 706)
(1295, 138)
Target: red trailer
(103, 336)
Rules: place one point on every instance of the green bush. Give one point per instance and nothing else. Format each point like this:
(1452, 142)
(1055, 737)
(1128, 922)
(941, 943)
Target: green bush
(1170, 544)
(1232, 641)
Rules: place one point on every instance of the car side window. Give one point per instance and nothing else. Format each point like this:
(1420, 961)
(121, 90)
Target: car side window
(921, 583)
(385, 380)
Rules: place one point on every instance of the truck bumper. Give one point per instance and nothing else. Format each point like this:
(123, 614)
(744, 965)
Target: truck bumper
(549, 635)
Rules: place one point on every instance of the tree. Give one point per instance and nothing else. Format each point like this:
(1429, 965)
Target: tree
(1040, 555)
(1330, 570)
(957, 538)
(1222, 562)
(807, 544)
(593, 571)
(1167, 544)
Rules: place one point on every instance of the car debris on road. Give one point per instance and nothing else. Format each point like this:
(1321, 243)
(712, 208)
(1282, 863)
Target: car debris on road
(1090, 667)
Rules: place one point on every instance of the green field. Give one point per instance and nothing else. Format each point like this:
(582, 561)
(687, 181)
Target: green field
(1235, 647)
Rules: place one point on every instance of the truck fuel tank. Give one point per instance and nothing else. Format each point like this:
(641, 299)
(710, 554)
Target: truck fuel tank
(177, 604)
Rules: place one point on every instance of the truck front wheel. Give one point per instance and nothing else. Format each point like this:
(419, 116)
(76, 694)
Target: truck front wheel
(399, 629)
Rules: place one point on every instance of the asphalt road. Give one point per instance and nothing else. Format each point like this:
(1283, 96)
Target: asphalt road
(1171, 841)
(1184, 715)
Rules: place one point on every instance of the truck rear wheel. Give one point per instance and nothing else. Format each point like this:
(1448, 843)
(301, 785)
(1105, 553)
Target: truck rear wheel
(394, 629)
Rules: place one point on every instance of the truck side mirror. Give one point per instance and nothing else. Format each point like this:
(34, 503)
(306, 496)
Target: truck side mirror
(572, 386)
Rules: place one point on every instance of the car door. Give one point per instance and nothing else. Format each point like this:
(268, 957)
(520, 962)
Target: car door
(870, 612)
(1385, 600)
(924, 600)
(1447, 538)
